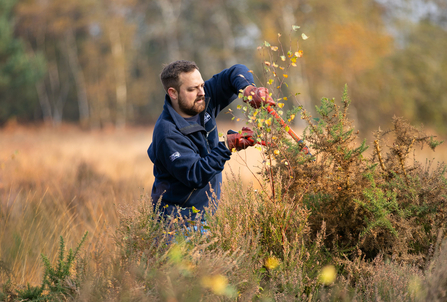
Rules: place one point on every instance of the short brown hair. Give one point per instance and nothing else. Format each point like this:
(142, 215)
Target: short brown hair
(170, 73)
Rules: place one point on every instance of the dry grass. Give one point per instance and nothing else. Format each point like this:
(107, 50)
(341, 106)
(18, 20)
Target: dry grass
(63, 182)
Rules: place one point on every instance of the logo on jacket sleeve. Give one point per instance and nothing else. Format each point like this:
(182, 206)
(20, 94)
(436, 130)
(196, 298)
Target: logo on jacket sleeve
(174, 156)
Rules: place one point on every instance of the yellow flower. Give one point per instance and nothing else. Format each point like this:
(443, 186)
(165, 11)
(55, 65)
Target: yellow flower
(271, 263)
(216, 283)
(276, 152)
(328, 275)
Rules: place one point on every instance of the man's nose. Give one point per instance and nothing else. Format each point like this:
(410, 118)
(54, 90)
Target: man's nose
(201, 90)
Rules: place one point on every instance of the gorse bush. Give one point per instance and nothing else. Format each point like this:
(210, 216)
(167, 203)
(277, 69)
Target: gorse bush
(377, 203)
(372, 200)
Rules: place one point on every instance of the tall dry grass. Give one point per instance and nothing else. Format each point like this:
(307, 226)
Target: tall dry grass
(64, 182)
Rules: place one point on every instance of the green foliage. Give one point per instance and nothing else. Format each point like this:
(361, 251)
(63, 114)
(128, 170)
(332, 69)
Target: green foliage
(57, 281)
(31, 293)
(19, 72)
(55, 278)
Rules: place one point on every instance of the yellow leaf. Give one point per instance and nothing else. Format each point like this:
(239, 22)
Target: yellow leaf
(304, 36)
(285, 98)
(280, 105)
(274, 48)
(283, 58)
(285, 75)
(299, 53)
(267, 63)
(276, 152)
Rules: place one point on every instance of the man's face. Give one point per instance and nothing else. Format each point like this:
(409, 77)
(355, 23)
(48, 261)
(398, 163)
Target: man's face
(190, 100)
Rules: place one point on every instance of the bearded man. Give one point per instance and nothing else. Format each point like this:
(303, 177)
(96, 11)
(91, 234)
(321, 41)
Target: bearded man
(187, 154)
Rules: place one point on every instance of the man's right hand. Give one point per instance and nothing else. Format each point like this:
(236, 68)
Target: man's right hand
(258, 97)
(240, 141)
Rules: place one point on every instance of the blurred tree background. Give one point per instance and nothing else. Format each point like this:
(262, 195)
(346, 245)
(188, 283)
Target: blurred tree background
(96, 62)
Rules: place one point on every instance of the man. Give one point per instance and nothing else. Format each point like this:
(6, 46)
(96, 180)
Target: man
(187, 155)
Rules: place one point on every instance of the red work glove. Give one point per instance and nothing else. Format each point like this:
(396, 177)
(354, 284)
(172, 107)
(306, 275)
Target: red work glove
(240, 141)
(259, 96)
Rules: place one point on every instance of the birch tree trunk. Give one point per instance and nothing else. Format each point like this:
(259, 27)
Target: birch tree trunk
(170, 10)
(45, 105)
(223, 24)
(78, 75)
(120, 78)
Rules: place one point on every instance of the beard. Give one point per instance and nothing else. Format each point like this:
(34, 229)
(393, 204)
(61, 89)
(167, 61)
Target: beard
(193, 109)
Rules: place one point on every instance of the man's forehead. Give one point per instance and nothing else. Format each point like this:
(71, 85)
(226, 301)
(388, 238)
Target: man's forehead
(192, 78)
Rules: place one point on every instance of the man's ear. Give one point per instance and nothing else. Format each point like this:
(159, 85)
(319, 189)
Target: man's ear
(173, 94)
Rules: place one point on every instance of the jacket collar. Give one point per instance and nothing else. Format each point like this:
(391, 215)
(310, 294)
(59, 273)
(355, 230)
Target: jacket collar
(185, 127)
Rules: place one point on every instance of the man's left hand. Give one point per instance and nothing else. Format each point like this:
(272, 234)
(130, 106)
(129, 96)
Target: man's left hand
(240, 141)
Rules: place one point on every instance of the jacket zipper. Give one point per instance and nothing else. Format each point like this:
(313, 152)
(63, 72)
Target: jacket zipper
(188, 196)
(206, 138)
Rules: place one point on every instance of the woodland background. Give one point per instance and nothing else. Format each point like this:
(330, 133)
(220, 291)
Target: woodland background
(96, 63)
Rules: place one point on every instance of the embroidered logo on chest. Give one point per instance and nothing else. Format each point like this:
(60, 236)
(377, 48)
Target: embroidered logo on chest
(207, 117)
(174, 156)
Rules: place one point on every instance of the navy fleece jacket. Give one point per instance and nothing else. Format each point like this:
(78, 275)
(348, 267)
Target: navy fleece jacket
(188, 158)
